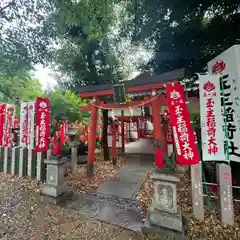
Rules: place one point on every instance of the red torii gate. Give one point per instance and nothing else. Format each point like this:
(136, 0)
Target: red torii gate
(150, 84)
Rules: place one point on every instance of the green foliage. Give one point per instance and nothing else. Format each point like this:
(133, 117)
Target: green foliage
(19, 88)
(86, 52)
(67, 104)
(183, 33)
(25, 34)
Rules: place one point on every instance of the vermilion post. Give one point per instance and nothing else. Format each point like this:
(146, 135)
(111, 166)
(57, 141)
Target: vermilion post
(114, 144)
(165, 132)
(122, 131)
(158, 134)
(92, 140)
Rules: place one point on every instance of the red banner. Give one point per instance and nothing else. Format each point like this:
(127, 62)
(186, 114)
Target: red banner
(62, 133)
(16, 122)
(184, 138)
(42, 124)
(9, 122)
(2, 121)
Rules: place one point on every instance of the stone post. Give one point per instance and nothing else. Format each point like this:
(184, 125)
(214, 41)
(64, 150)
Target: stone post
(74, 157)
(22, 156)
(197, 192)
(31, 156)
(55, 187)
(14, 155)
(225, 191)
(6, 159)
(49, 153)
(1, 158)
(40, 166)
(164, 211)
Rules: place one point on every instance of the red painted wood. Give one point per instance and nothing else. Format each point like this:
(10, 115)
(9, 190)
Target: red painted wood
(133, 104)
(135, 89)
(92, 135)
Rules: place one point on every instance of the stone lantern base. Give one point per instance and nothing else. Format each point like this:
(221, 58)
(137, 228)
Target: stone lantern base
(55, 188)
(164, 211)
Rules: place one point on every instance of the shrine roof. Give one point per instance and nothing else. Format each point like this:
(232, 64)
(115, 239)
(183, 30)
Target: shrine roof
(142, 82)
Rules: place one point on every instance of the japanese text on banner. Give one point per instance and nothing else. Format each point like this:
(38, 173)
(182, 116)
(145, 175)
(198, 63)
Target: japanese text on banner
(184, 138)
(225, 66)
(23, 124)
(2, 121)
(9, 121)
(211, 119)
(31, 121)
(230, 99)
(42, 124)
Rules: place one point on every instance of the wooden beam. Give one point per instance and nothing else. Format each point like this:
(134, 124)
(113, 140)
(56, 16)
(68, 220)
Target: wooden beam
(162, 102)
(133, 89)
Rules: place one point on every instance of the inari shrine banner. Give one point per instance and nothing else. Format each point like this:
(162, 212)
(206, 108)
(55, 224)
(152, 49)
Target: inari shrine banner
(27, 117)
(226, 66)
(8, 125)
(212, 133)
(42, 124)
(183, 134)
(30, 124)
(2, 121)
(23, 124)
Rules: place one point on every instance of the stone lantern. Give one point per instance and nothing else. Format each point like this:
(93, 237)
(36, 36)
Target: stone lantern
(73, 143)
(55, 187)
(164, 212)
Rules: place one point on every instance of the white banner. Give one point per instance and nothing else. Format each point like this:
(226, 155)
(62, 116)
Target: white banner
(211, 118)
(227, 67)
(30, 128)
(23, 124)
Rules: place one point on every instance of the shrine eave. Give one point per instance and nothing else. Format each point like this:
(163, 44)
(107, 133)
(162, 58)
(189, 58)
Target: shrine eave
(141, 83)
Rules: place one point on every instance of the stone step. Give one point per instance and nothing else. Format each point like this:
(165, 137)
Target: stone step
(120, 212)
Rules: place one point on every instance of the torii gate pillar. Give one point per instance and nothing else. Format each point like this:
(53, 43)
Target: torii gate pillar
(158, 133)
(92, 140)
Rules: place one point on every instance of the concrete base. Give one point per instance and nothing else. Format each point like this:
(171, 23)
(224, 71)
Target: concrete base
(165, 220)
(152, 229)
(54, 191)
(56, 200)
(55, 187)
(164, 175)
(82, 159)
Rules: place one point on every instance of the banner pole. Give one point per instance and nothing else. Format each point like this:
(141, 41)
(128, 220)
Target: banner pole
(198, 146)
(225, 121)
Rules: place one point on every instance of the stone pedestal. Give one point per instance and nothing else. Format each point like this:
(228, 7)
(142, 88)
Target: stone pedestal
(40, 166)
(55, 188)
(1, 158)
(6, 160)
(22, 156)
(74, 157)
(14, 155)
(31, 158)
(164, 211)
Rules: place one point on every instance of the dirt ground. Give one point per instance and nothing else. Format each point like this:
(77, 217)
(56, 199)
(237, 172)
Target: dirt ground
(24, 216)
(213, 229)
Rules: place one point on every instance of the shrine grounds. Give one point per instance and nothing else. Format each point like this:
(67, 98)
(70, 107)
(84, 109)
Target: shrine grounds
(23, 215)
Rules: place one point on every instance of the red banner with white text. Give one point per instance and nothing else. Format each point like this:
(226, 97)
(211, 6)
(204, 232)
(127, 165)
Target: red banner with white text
(42, 124)
(2, 121)
(183, 134)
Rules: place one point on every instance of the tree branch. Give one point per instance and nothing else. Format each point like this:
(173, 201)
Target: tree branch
(7, 6)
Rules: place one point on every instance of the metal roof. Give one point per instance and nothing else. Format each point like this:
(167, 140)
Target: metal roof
(140, 80)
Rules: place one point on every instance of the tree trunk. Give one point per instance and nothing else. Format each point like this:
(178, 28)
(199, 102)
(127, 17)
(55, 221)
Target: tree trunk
(105, 135)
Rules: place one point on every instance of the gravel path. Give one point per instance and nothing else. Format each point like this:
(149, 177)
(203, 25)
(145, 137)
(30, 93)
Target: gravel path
(24, 216)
